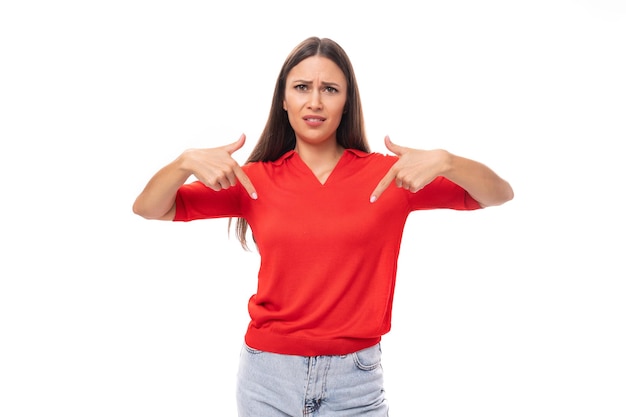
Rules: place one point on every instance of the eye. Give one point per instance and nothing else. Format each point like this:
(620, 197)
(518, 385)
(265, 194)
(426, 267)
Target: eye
(301, 87)
(329, 89)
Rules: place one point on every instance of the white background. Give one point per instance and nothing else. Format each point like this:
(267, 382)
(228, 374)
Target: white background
(516, 310)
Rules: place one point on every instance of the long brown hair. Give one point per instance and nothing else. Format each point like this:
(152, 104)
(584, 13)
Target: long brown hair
(278, 137)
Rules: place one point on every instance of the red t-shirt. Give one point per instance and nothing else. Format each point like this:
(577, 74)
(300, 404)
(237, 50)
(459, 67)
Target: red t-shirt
(328, 256)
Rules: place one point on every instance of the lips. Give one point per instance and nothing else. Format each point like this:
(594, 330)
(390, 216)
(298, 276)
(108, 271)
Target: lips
(314, 121)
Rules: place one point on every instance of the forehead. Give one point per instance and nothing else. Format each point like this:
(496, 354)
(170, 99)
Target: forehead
(317, 67)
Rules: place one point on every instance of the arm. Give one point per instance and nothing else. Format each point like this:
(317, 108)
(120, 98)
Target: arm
(417, 168)
(484, 185)
(214, 167)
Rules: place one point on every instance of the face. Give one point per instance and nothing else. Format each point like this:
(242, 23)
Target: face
(315, 97)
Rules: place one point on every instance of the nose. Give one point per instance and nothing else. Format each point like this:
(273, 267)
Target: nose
(315, 101)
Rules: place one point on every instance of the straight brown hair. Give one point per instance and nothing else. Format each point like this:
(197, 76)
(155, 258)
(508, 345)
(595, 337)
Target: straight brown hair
(278, 137)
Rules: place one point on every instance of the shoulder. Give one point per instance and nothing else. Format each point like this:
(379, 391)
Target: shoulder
(263, 165)
(373, 159)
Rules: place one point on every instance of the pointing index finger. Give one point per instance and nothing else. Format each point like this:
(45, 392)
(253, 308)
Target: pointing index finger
(382, 185)
(245, 182)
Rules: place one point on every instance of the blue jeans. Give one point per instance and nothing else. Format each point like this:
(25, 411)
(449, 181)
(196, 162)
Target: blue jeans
(274, 385)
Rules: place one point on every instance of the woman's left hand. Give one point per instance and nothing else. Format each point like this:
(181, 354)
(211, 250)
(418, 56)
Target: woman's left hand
(414, 169)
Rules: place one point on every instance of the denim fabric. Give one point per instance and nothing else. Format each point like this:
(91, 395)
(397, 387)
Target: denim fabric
(275, 385)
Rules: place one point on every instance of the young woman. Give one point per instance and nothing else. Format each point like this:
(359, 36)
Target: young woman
(327, 217)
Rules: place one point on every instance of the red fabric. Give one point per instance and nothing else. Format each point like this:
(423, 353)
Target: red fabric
(328, 255)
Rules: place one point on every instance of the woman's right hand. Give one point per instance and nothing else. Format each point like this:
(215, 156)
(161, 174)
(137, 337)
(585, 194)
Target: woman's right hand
(216, 168)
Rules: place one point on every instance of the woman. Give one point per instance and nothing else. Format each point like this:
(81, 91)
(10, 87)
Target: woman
(327, 226)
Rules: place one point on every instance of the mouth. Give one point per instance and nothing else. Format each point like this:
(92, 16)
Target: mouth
(314, 119)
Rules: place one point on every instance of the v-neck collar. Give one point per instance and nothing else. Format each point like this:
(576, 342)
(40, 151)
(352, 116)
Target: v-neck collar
(292, 154)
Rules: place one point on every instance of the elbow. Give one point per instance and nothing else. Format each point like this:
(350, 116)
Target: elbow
(510, 194)
(142, 211)
(138, 210)
(148, 212)
(505, 195)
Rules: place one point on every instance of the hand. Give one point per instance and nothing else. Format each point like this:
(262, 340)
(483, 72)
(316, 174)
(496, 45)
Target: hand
(216, 168)
(413, 170)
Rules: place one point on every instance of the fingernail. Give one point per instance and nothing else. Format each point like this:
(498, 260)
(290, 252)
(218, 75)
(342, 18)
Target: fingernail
(254, 196)
(372, 199)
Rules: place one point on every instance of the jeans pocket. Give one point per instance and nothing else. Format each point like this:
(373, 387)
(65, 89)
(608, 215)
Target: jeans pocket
(251, 350)
(367, 359)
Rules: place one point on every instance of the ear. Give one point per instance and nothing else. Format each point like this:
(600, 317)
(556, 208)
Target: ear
(284, 105)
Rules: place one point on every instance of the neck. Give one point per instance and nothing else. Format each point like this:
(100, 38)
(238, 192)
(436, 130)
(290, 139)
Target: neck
(319, 154)
(321, 159)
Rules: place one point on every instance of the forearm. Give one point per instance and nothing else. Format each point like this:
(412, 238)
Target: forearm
(157, 200)
(480, 181)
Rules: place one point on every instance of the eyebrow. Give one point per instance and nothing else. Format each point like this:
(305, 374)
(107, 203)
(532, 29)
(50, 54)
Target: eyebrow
(324, 83)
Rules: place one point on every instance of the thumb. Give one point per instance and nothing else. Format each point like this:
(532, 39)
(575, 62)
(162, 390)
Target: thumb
(230, 148)
(397, 149)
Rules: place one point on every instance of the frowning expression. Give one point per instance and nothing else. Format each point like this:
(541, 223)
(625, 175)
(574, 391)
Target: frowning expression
(315, 98)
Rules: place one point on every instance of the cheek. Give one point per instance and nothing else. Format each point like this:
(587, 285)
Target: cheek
(293, 120)
(292, 101)
(339, 110)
